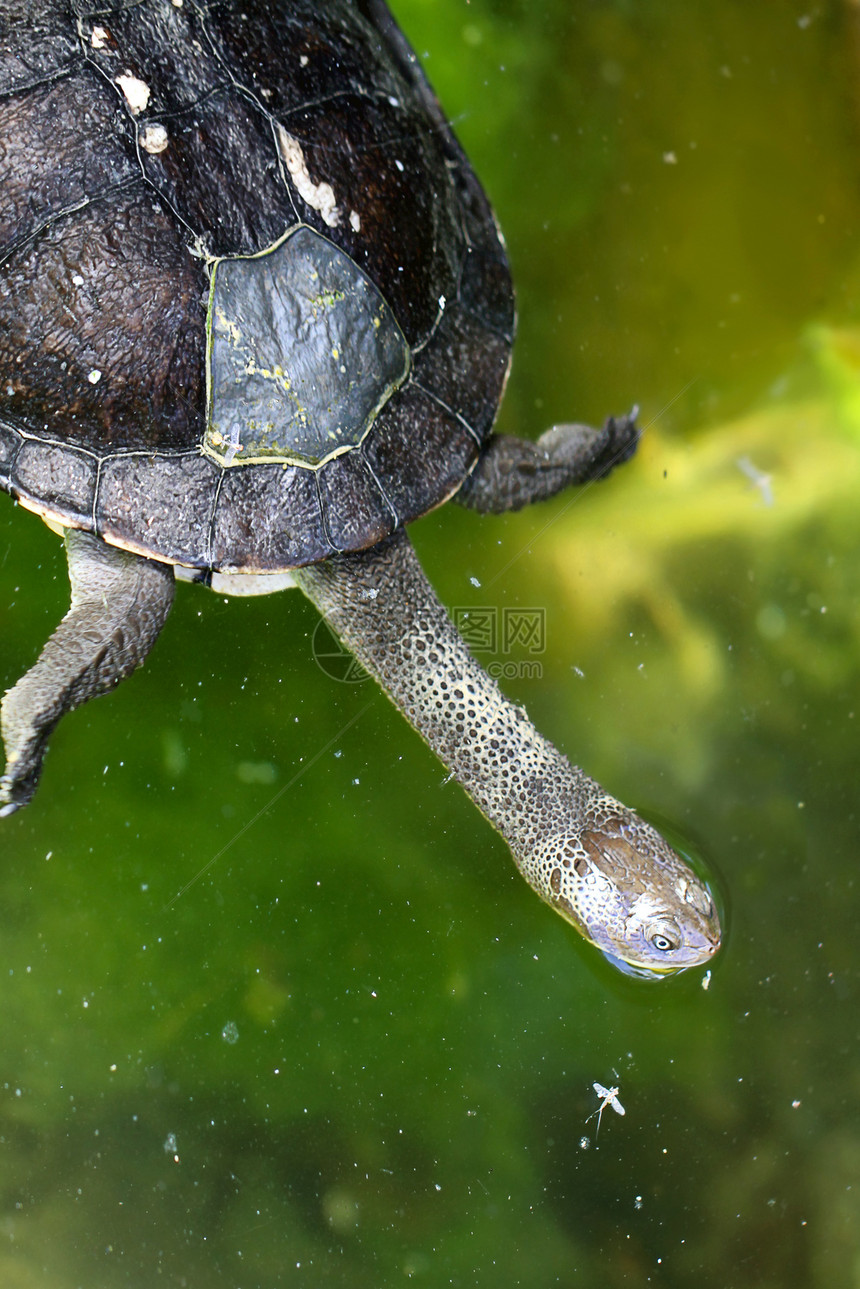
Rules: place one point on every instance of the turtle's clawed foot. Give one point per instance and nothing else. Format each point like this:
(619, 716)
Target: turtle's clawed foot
(25, 749)
(584, 454)
(119, 604)
(512, 473)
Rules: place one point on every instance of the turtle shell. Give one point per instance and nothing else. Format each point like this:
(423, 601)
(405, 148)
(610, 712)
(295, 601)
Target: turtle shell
(254, 305)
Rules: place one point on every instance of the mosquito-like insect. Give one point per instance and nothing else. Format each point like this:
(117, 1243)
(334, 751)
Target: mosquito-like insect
(609, 1097)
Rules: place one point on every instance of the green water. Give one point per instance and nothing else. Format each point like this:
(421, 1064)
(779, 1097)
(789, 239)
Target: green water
(277, 1010)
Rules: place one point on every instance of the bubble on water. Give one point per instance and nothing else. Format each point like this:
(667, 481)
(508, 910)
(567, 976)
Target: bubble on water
(230, 1032)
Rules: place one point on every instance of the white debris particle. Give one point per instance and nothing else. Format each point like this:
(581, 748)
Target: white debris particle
(758, 478)
(795, 1105)
(474, 581)
(670, 158)
(153, 139)
(706, 980)
(320, 196)
(400, 166)
(136, 91)
(99, 37)
(94, 378)
(355, 221)
(303, 61)
(442, 302)
(77, 280)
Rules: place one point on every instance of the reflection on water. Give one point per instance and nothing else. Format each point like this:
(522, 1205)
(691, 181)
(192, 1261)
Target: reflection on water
(372, 1050)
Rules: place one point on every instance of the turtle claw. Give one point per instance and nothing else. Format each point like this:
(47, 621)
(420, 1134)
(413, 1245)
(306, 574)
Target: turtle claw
(11, 806)
(26, 744)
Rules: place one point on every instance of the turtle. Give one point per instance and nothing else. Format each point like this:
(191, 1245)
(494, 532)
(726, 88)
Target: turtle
(256, 316)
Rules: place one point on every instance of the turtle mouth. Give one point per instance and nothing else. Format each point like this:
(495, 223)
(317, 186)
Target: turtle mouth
(641, 972)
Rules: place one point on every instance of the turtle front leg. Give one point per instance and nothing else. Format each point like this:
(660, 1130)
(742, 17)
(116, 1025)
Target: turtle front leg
(120, 603)
(512, 473)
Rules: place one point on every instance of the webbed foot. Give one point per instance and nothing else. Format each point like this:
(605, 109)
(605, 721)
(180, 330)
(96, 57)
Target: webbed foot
(512, 473)
(119, 604)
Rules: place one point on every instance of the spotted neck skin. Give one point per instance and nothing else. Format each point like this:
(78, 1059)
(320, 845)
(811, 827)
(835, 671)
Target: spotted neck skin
(597, 863)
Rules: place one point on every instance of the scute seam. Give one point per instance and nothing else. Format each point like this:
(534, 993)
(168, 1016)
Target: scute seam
(457, 416)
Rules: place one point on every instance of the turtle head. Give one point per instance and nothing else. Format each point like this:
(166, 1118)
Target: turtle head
(627, 891)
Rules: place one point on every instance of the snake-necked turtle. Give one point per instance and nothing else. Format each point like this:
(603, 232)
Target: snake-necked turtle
(256, 316)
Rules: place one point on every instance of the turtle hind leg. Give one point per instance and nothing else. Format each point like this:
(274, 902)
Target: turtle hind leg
(119, 604)
(512, 473)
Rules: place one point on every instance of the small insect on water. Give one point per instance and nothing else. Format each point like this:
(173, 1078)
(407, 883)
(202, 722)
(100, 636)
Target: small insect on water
(609, 1097)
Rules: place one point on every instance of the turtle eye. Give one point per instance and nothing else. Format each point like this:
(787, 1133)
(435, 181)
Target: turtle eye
(663, 939)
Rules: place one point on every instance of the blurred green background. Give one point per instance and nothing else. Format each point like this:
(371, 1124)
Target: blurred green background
(357, 1051)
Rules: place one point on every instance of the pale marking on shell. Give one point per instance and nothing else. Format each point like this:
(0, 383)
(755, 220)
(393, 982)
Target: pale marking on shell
(99, 37)
(136, 92)
(320, 196)
(355, 221)
(154, 139)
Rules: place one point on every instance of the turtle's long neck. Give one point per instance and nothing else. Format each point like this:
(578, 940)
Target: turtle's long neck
(382, 607)
(595, 861)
